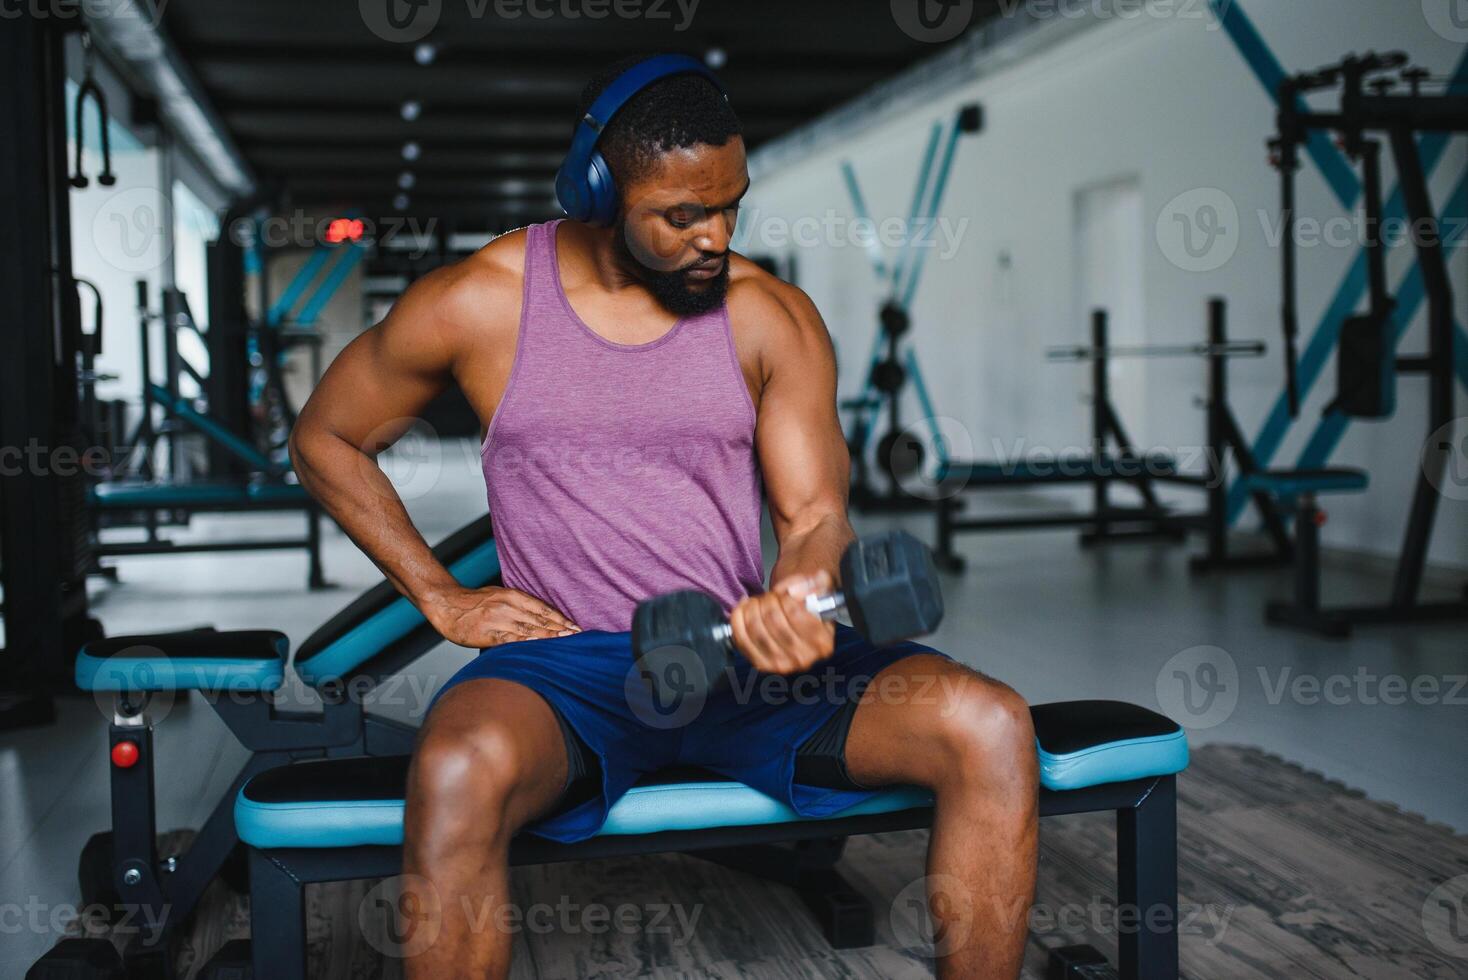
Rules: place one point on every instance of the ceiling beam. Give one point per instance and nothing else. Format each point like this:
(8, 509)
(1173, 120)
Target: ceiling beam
(349, 81)
(333, 158)
(529, 131)
(465, 186)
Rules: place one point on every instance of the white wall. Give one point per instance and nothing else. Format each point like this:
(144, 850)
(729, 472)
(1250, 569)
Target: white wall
(1169, 101)
(339, 323)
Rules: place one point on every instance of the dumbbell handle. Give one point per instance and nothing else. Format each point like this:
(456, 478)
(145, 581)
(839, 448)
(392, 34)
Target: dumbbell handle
(826, 606)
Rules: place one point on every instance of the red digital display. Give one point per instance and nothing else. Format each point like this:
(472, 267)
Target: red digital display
(344, 230)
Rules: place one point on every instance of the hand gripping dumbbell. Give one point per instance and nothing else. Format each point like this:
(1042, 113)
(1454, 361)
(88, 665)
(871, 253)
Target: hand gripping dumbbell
(683, 644)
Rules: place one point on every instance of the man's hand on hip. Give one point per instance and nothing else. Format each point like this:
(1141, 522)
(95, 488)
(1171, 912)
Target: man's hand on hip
(490, 616)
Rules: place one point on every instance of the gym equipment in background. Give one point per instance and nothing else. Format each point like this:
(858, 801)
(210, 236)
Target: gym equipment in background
(1225, 442)
(1099, 467)
(90, 89)
(1378, 94)
(684, 645)
(45, 539)
(898, 454)
(139, 494)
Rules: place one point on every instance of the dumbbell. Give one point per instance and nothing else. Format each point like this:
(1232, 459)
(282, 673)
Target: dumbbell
(683, 644)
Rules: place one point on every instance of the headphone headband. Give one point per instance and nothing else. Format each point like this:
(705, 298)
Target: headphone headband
(584, 184)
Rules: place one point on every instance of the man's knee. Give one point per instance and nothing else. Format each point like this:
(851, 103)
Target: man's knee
(986, 724)
(465, 779)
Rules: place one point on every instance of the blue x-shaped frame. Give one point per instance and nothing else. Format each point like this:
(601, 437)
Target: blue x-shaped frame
(901, 280)
(1341, 177)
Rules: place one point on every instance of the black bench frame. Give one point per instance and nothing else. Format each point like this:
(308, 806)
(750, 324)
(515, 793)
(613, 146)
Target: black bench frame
(150, 518)
(1146, 856)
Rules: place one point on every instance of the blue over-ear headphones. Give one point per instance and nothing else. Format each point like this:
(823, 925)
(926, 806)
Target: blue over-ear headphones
(584, 183)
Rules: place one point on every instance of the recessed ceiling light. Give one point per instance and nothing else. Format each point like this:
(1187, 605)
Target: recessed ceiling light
(400, 202)
(411, 150)
(425, 52)
(405, 180)
(716, 58)
(411, 110)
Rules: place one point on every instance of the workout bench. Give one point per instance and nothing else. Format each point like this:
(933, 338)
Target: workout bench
(238, 673)
(342, 819)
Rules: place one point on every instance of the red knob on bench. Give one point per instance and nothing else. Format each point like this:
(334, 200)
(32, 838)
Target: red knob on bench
(1320, 518)
(125, 754)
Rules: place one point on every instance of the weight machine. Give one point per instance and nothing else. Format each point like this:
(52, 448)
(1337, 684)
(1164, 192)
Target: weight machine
(898, 453)
(45, 544)
(1380, 95)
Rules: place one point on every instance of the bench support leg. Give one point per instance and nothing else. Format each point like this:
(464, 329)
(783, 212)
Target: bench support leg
(1305, 611)
(277, 920)
(1146, 885)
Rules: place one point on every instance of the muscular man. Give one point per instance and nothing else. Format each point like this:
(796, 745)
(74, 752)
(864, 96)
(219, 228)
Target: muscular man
(639, 383)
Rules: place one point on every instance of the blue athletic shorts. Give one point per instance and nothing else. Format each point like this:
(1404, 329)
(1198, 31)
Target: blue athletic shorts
(752, 731)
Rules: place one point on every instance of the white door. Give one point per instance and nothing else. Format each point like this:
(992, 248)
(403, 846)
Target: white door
(1108, 236)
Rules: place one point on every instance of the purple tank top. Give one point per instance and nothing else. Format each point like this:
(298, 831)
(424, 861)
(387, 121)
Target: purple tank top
(616, 472)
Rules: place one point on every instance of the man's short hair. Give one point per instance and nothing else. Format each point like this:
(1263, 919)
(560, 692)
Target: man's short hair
(671, 113)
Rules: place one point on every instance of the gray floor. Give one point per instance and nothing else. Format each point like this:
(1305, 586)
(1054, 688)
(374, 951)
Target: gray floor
(1055, 621)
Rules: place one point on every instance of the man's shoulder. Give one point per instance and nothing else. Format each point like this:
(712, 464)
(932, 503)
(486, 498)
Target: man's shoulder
(474, 294)
(768, 307)
(760, 298)
(487, 274)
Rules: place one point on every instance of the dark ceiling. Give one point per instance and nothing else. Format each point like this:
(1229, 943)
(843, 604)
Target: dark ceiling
(313, 93)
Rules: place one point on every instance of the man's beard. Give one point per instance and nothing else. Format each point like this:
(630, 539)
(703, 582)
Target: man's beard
(671, 289)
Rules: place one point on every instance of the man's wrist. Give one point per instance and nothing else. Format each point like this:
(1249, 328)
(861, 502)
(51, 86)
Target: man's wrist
(432, 599)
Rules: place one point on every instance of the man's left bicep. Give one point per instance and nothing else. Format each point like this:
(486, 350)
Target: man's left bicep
(801, 448)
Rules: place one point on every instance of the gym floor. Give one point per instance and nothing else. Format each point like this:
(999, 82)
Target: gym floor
(1033, 609)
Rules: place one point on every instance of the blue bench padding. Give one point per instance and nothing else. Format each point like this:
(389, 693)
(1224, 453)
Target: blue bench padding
(657, 807)
(396, 620)
(1291, 483)
(1115, 762)
(166, 673)
(130, 496)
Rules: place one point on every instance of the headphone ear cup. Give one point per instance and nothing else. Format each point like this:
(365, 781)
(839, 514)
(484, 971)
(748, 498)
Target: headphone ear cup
(601, 197)
(571, 193)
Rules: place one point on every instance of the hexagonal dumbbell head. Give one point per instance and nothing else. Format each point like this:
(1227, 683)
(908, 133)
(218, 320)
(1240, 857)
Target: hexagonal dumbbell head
(891, 587)
(678, 648)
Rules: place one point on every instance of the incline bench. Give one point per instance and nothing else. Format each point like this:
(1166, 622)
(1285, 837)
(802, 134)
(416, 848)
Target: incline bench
(342, 819)
(238, 673)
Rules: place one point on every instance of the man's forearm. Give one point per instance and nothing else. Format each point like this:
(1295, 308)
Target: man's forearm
(813, 548)
(362, 500)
